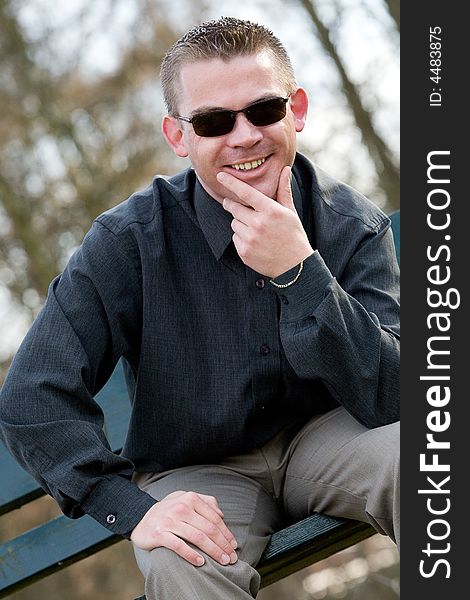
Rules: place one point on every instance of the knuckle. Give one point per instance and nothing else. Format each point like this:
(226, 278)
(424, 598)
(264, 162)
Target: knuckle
(199, 537)
(244, 194)
(264, 224)
(242, 251)
(180, 509)
(175, 494)
(250, 241)
(259, 227)
(166, 523)
(162, 539)
(272, 210)
(180, 547)
(246, 244)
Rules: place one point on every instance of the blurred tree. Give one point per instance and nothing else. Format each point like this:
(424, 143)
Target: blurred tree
(76, 140)
(382, 156)
(394, 10)
(71, 144)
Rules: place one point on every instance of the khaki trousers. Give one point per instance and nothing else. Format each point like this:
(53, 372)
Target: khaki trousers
(332, 465)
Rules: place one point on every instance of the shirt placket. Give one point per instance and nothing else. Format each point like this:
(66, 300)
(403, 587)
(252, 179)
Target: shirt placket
(264, 344)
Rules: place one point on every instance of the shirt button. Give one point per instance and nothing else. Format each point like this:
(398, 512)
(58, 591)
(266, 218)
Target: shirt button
(284, 299)
(260, 283)
(110, 519)
(264, 349)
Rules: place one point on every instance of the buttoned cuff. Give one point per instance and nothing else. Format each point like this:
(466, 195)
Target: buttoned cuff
(117, 504)
(301, 298)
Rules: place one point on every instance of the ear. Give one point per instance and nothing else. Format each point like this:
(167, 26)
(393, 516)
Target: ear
(174, 135)
(299, 107)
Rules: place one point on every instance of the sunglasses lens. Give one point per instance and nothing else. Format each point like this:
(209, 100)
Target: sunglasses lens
(214, 123)
(221, 122)
(267, 112)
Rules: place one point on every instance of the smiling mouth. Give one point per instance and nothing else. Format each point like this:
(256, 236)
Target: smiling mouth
(248, 166)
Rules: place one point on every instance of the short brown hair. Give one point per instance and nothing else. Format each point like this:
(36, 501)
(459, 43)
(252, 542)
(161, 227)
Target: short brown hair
(222, 38)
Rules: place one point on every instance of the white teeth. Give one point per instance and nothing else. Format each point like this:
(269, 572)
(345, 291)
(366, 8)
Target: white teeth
(249, 165)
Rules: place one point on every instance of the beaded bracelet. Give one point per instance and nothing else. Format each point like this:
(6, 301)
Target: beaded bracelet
(284, 285)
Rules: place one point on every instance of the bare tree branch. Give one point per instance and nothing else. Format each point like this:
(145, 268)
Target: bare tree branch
(379, 151)
(394, 10)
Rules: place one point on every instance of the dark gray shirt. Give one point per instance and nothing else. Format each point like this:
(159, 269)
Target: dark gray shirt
(218, 360)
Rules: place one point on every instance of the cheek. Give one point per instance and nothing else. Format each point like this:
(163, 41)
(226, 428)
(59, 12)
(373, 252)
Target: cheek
(267, 186)
(288, 136)
(204, 154)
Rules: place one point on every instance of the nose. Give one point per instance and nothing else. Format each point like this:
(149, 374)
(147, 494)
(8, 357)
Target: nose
(244, 134)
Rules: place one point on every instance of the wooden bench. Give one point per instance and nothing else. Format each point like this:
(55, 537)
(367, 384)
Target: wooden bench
(62, 541)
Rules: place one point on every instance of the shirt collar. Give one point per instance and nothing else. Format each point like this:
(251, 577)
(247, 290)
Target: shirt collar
(215, 221)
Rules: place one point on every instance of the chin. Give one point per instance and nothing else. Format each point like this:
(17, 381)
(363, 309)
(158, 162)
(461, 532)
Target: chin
(267, 190)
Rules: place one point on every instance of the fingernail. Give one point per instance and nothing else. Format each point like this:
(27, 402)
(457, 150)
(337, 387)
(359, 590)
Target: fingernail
(233, 558)
(199, 561)
(221, 177)
(225, 559)
(234, 544)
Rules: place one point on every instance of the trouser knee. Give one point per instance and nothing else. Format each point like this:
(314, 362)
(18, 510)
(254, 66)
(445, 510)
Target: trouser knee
(383, 503)
(168, 576)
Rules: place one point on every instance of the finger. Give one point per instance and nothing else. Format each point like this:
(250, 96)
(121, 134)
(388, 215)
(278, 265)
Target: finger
(241, 212)
(284, 191)
(213, 531)
(212, 502)
(239, 246)
(239, 228)
(205, 510)
(201, 540)
(169, 540)
(247, 194)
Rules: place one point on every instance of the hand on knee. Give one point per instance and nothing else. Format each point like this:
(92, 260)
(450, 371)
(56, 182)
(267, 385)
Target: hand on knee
(187, 517)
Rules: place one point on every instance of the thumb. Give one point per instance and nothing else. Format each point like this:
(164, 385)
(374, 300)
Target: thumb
(284, 192)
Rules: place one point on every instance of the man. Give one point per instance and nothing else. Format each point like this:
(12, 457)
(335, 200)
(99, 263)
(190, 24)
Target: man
(255, 302)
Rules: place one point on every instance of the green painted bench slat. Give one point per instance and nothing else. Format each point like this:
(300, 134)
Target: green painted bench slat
(19, 488)
(62, 541)
(49, 548)
(307, 542)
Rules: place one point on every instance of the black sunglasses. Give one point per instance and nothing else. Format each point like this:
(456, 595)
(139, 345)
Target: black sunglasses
(221, 122)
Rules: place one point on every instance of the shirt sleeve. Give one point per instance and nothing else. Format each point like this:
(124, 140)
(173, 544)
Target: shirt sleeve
(345, 332)
(48, 417)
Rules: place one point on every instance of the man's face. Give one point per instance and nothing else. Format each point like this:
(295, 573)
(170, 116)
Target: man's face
(215, 84)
